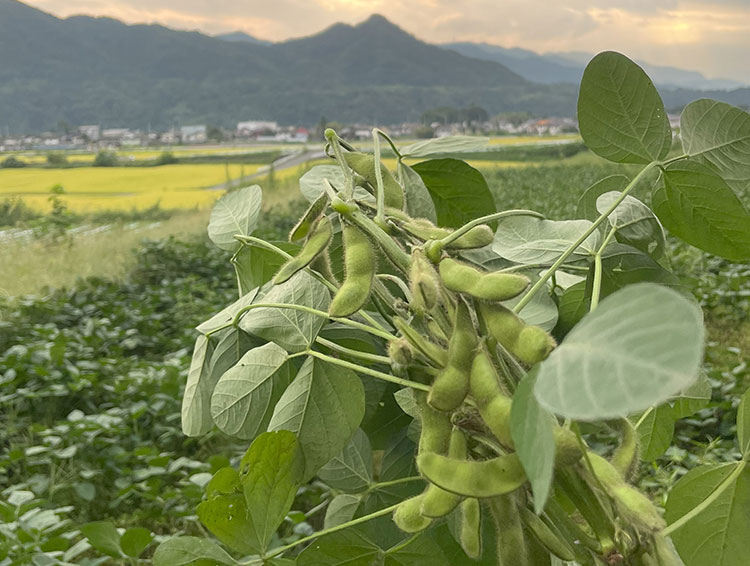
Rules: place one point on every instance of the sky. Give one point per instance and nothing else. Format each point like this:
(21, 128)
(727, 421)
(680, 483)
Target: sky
(712, 37)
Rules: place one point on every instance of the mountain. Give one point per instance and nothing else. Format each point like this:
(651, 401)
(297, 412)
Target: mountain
(567, 67)
(241, 36)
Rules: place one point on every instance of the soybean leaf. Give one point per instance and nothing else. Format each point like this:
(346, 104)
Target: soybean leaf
(236, 213)
(743, 424)
(196, 401)
(528, 240)
(226, 516)
(531, 428)
(623, 265)
(586, 207)
(226, 315)
(103, 536)
(351, 470)
(620, 114)
(422, 551)
(293, 330)
(135, 540)
(255, 266)
(232, 345)
(693, 399)
(418, 200)
(459, 191)
(271, 471)
(641, 346)
(224, 481)
(191, 551)
(341, 510)
(718, 134)
(405, 399)
(323, 406)
(311, 183)
(635, 223)
(244, 397)
(349, 547)
(445, 145)
(718, 534)
(574, 304)
(655, 430)
(540, 311)
(698, 206)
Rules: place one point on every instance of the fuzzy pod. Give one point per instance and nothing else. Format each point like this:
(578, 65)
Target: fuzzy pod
(533, 345)
(436, 428)
(512, 546)
(316, 244)
(424, 283)
(359, 262)
(364, 165)
(530, 344)
(436, 501)
(494, 406)
(470, 531)
(666, 555)
(476, 237)
(408, 516)
(626, 456)
(471, 478)
(487, 286)
(452, 384)
(434, 353)
(400, 351)
(549, 539)
(311, 215)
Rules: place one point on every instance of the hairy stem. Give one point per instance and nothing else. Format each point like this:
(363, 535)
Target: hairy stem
(374, 358)
(597, 288)
(456, 234)
(371, 372)
(379, 188)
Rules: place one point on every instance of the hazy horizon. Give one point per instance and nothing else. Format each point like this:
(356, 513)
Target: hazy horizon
(710, 37)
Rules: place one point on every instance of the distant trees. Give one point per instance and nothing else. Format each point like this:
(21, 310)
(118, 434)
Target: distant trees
(56, 159)
(450, 115)
(12, 163)
(106, 159)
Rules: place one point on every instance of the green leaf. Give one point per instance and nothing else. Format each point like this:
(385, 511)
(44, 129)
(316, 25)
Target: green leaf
(718, 134)
(103, 536)
(271, 472)
(233, 344)
(635, 223)
(422, 551)
(718, 534)
(191, 551)
(743, 424)
(693, 399)
(226, 315)
(623, 265)
(351, 470)
(641, 346)
(345, 548)
(529, 240)
(224, 482)
(418, 200)
(311, 183)
(293, 330)
(135, 540)
(586, 207)
(531, 428)
(341, 510)
(459, 191)
(244, 397)
(226, 516)
(655, 431)
(406, 401)
(255, 266)
(540, 311)
(621, 116)
(573, 306)
(445, 145)
(236, 213)
(323, 406)
(698, 206)
(196, 401)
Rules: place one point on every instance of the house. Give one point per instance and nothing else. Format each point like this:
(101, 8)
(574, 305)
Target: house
(194, 134)
(252, 128)
(92, 132)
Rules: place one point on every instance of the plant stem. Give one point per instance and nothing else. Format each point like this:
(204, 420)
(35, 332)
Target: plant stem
(387, 138)
(336, 146)
(582, 238)
(374, 358)
(398, 282)
(403, 544)
(371, 372)
(381, 485)
(352, 523)
(380, 189)
(456, 234)
(698, 509)
(597, 287)
(390, 248)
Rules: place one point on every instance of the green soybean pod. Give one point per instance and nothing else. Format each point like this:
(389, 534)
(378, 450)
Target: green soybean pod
(478, 237)
(494, 406)
(359, 262)
(437, 355)
(625, 458)
(436, 501)
(666, 555)
(364, 165)
(502, 324)
(470, 532)
(311, 215)
(452, 384)
(533, 345)
(470, 478)
(424, 283)
(316, 244)
(436, 427)
(512, 547)
(463, 278)
(408, 516)
(424, 230)
(552, 541)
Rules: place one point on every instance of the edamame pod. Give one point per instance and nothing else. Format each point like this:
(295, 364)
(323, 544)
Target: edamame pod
(666, 555)
(436, 427)
(512, 549)
(408, 516)
(487, 286)
(424, 283)
(452, 384)
(530, 344)
(470, 532)
(364, 165)
(400, 352)
(549, 539)
(437, 355)
(477, 237)
(625, 458)
(480, 479)
(436, 501)
(359, 261)
(311, 215)
(315, 245)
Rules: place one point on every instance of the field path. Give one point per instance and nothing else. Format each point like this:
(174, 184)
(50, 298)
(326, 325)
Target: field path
(284, 162)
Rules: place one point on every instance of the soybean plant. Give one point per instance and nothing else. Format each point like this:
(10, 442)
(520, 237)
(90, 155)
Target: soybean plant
(438, 364)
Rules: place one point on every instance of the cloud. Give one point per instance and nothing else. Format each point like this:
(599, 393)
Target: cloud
(709, 36)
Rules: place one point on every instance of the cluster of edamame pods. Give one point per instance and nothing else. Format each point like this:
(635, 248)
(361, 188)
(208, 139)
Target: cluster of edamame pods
(453, 333)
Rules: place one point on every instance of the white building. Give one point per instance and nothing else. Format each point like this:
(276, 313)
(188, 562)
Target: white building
(255, 127)
(194, 134)
(92, 132)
